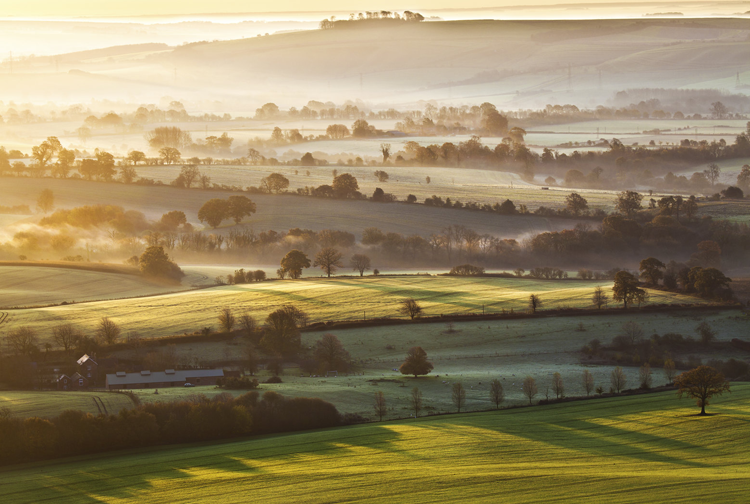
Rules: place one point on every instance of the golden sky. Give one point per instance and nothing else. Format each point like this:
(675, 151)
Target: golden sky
(130, 8)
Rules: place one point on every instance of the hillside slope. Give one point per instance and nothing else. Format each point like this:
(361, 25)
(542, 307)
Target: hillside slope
(633, 449)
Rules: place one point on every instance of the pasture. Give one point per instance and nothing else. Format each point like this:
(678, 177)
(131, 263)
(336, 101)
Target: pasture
(337, 299)
(39, 286)
(624, 449)
(51, 403)
(473, 352)
(286, 212)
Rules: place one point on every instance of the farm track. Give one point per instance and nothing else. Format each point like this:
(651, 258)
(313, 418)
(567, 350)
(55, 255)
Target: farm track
(4, 317)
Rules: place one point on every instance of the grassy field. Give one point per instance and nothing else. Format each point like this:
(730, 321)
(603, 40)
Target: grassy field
(283, 212)
(474, 353)
(324, 299)
(37, 286)
(630, 449)
(48, 404)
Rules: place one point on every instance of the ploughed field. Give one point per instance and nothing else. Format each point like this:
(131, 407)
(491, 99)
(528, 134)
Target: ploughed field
(27, 403)
(627, 449)
(334, 299)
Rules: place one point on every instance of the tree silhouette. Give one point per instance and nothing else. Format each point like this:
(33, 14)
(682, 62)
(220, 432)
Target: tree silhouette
(416, 363)
(701, 384)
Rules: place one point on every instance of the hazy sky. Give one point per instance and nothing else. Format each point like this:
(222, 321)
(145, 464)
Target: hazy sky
(129, 8)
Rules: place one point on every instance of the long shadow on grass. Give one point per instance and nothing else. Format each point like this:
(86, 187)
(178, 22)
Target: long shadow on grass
(129, 476)
(606, 440)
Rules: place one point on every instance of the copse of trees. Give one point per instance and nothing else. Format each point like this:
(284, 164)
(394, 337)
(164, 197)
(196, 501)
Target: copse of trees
(155, 263)
(215, 210)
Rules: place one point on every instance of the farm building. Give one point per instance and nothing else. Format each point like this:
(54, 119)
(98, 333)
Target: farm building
(88, 367)
(75, 382)
(163, 379)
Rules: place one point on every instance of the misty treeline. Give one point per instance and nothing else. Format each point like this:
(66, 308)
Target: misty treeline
(371, 19)
(196, 419)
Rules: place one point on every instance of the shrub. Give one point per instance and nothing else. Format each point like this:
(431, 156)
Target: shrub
(274, 379)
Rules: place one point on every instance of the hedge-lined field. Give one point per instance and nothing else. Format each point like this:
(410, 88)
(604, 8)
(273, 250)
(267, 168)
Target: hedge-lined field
(323, 299)
(630, 449)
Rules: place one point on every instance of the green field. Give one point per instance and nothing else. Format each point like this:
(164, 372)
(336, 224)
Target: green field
(24, 404)
(631, 449)
(474, 353)
(324, 299)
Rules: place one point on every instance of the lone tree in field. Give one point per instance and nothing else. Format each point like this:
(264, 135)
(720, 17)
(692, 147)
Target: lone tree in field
(65, 335)
(240, 207)
(529, 388)
(459, 395)
(361, 263)
(213, 212)
(701, 384)
(645, 376)
(385, 150)
(410, 307)
(600, 298)
(46, 201)
(497, 394)
(669, 370)
(108, 331)
(534, 303)
(331, 354)
(576, 204)
(588, 381)
(651, 270)
(189, 173)
(626, 288)
(633, 332)
(329, 260)
(618, 379)
(416, 401)
(226, 319)
(381, 409)
(293, 262)
(169, 155)
(416, 363)
(557, 386)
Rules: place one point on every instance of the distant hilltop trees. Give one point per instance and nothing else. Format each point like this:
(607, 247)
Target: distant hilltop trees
(370, 18)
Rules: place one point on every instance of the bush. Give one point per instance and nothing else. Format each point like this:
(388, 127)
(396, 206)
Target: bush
(467, 270)
(242, 383)
(273, 379)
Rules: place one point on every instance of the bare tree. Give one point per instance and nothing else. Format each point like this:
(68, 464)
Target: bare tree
(385, 149)
(65, 335)
(534, 303)
(459, 395)
(22, 341)
(588, 381)
(380, 407)
(329, 259)
(416, 401)
(632, 331)
(108, 331)
(557, 386)
(618, 379)
(227, 319)
(669, 370)
(189, 173)
(600, 298)
(410, 307)
(644, 375)
(248, 323)
(361, 263)
(497, 394)
(529, 388)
